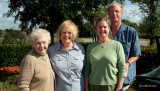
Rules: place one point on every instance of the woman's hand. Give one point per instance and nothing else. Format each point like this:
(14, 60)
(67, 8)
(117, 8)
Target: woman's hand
(118, 89)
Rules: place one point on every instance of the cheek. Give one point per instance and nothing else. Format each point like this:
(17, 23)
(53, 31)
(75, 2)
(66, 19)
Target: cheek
(120, 15)
(46, 45)
(35, 45)
(72, 36)
(60, 35)
(36, 48)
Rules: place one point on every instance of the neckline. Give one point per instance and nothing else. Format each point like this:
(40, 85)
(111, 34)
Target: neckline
(104, 44)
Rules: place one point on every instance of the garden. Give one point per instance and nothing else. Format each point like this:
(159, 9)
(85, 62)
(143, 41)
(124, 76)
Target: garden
(11, 56)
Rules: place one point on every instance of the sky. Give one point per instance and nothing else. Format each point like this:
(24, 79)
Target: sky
(8, 22)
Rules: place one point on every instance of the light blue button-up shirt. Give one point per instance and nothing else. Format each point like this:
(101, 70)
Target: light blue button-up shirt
(130, 41)
(68, 66)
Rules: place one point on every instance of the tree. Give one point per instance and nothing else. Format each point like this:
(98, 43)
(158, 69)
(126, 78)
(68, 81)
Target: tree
(49, 14)
(1, 33)
(151, 21)
(14, 37)
(127, 22)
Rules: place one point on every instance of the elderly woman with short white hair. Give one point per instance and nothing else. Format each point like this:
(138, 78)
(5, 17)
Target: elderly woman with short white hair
(36, 73)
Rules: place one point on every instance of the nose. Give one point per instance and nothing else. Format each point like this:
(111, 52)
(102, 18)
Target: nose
(67, 34)
(41, 45)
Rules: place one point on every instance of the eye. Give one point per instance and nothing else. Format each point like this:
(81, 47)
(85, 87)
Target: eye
(69, 33)
(63, 32)
(38, 43)
(44, 42)
(117, 11)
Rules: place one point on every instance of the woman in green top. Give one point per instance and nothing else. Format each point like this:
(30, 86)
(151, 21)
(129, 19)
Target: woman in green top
(105, 61)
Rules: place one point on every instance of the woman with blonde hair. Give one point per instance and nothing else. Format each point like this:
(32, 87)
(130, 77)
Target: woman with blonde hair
(36, 73)
(67, 59)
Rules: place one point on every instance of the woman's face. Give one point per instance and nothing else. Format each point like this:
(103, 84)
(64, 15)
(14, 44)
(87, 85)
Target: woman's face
(102, 29)
(66, 36)
(41, 45)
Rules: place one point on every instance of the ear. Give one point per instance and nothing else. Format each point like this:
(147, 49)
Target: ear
(122, 12)
(59, 35)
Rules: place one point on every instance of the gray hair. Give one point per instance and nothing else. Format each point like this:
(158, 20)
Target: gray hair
(40, 32)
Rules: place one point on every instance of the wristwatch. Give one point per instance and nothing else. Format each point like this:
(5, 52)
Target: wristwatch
(129, 63)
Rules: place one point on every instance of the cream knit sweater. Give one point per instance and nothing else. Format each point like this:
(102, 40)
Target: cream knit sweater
(36, 73)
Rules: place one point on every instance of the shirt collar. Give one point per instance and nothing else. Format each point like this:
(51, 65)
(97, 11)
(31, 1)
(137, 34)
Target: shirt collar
(75, 46)
(122, 28)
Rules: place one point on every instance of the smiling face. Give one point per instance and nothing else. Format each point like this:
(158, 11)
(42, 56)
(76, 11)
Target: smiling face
(115, 12)
(102, 29)
(40, 44)
(66, 36)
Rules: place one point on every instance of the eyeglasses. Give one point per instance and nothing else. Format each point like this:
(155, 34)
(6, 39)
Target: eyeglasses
(115, 11)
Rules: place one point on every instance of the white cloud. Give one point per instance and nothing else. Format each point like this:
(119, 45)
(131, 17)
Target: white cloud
(1, 15)
(3, 1)
(132, 13)
(6, 22)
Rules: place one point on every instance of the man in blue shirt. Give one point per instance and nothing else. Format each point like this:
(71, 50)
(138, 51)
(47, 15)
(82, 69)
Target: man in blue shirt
(128, 38)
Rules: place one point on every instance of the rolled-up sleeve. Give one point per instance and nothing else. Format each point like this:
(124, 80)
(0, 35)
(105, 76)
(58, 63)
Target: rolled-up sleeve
(121, 61)
(135, 48)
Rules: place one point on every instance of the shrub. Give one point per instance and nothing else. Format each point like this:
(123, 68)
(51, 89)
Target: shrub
(11, 55)
(148, 60)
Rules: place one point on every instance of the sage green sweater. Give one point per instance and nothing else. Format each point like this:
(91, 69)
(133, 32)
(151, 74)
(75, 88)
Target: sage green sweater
(105, 63)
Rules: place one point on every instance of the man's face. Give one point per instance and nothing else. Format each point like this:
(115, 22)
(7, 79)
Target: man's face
(115, 13)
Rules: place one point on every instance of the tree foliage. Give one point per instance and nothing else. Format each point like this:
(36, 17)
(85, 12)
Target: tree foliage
(151, 22)
(127, 22)
(14, 37)
(1, 33)
(49, 14)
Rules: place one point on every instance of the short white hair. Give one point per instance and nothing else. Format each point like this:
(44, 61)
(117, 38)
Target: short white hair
(40, 32)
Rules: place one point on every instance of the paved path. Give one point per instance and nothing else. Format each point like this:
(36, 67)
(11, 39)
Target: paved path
(142, 42)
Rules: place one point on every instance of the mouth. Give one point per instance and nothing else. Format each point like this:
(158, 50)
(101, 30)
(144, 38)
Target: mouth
(103, 32)
(67, 38)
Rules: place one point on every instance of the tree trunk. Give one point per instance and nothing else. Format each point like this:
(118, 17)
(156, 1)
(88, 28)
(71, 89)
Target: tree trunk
(151, 41)
(52, 25)
(52, 31)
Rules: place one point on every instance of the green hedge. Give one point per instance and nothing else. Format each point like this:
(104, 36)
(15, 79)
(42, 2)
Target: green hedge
(11, 55)
(149, 59)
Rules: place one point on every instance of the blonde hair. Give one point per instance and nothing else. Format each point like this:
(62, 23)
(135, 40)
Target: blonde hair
(68, 24)
(113, 4)
(40, 32)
